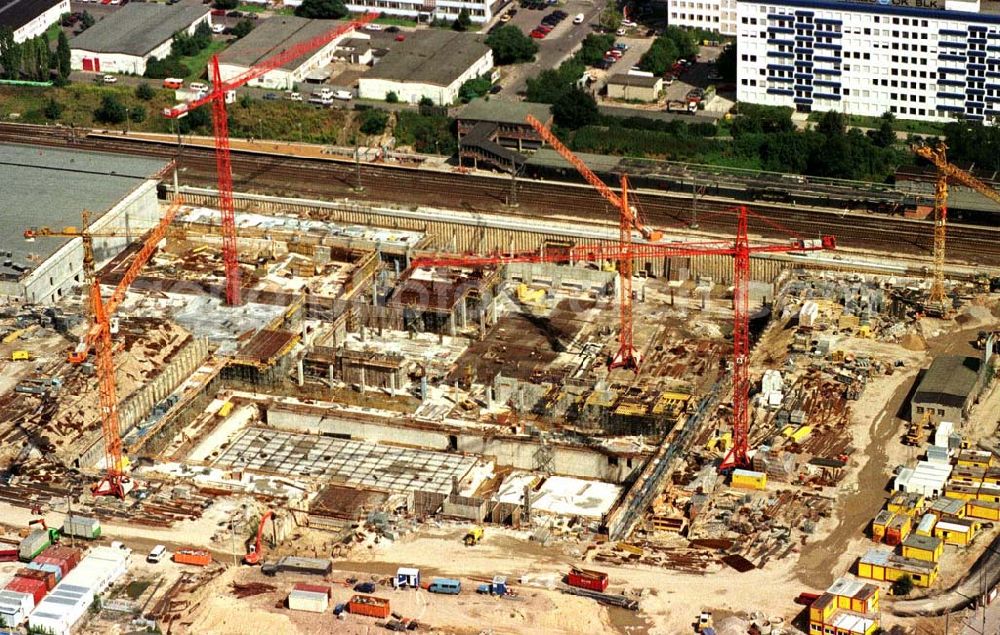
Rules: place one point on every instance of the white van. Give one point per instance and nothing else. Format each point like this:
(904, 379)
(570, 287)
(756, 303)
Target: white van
(324, 93)
(578, 19)
(156, 554)
(198, 87)
(343, 95)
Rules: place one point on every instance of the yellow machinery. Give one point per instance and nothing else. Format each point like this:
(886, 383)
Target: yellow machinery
(473, 537)
(915, 433)
(527, 295)
(20, 356)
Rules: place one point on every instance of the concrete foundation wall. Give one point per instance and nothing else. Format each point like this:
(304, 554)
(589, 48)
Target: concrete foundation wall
(521, 454)
(137, 406)
(483, 235)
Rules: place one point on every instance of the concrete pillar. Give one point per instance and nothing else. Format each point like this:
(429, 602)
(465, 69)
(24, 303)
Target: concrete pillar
(329, 370)
(489, 396)
(301, 370)
(462, 311)
(451, 324)
(362, 379)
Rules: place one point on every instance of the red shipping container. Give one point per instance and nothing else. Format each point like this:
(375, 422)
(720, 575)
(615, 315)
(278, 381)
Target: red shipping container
(48, 577)
(72, 556)
(8, 555)
(586, 579)
(35, 588)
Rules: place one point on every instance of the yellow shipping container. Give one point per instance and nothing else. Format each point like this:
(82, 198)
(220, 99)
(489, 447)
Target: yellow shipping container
(984, 510)
(748, 479)
(801, 433)
(226, 409)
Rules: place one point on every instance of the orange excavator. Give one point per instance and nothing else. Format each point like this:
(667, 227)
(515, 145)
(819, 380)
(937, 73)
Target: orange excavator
(254, 550)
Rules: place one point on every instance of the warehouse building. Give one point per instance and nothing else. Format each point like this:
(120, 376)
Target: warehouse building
(125, 40)
(31, 18)
(634, 87)
(432, 63)
(480, 11)
(48, 187)
(929, 60)
(278, 34)
(948, 389)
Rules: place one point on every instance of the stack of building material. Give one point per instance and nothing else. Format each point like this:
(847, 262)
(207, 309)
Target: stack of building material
(71, 598)
(309, 597)
(65, 558)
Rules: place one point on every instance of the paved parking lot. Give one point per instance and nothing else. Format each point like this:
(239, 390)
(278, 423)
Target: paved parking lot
(557, 45)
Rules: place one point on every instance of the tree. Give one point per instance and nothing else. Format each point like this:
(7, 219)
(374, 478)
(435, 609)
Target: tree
(575, 109)
(226, 5)
(474, 88)
(593, 48)
(426, 101)
(87, 21)
(683, 40)
(168, 67)
(391, 97)
(144, 92)
(321, 9)
(832, 123)
(660, 56)
(611, 17)
(198, 119)
(10, 53)
(726, 64)
(63, 55)
(137, 114)
(551, 84)
(243, 28)
(510, 45)
(373, 121)
(53, 109)
(884, 136)
(903, 585)
(462, 22)
(111, 110)
(202, 35)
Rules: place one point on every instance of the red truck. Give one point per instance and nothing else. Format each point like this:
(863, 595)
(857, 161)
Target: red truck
(586, 579)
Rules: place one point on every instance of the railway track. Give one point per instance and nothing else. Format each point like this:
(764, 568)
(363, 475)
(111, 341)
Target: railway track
(330, 178)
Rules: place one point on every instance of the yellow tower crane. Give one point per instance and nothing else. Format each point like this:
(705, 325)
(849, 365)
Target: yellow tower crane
(945, 170)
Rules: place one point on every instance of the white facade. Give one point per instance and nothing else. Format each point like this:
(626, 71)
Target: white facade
(413, 92)
(40, 23)
(931, 63)
(712, 15)
(479, 12)
(110, 62)
(52, 279)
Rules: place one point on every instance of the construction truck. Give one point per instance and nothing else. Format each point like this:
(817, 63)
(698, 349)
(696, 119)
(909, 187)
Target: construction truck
(37, 540)
(473, 537)
(915, 432)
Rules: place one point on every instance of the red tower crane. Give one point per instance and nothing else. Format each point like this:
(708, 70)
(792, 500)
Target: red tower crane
(220, 126)
(740, 249)
(627, 356)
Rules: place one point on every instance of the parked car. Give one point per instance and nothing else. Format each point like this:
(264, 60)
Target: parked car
(613, 53)
(218, 28)
(620, 46)
(392, 29)
(579, 18)
(538, 35)
(400, 37)
(505, 18)
(173, 83)
(109, 79)
(364, 587)
(495, 88)
(343, 95)
(373, 27)
(621, 31)
(270, 97)
(294, 96)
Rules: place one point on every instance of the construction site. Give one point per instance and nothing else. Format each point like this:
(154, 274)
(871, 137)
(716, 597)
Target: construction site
(333, 415)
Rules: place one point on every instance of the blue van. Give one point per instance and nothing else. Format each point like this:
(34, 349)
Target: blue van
(445, 585)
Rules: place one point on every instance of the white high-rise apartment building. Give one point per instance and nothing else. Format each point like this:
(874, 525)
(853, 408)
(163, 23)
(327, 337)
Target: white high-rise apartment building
(712, 15)
(919, 59)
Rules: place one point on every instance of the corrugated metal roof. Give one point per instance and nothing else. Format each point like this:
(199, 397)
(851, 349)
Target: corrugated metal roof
(51, 187)
(138, 28)
(501, 111)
